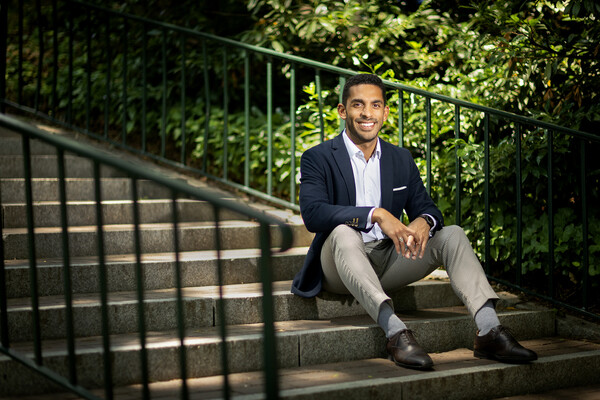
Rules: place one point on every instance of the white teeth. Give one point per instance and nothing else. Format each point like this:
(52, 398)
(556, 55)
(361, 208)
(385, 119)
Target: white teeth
(367, 124)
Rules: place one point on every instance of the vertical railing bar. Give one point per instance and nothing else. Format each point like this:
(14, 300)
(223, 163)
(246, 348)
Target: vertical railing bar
(320, 97)
(342, 81)
(457, 168)
(54, 57)
(68, 291)
(180, 309)
(584, 225)
(519, 199)
(33, 277)
(270, 127)
(108, 77)
(400, 118)
(4, 337)
(88, 60)
(486, 133)
(269, 340)
(207, 108)
(4, 53)
(222, 317)
(428, 139)
(144, 84)
(38, 88)
(183, 102)
(246, 118)
(163, 119)
(69, 12)
(225, 115)
(139, 275)
(550, 140)
(20, 60)
(108, 380)
(124, 78)
(293, 133)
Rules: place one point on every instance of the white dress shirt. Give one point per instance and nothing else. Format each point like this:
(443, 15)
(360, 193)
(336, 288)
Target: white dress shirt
(367, 180)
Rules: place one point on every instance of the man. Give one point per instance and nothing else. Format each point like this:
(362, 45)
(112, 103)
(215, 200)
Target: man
(353, 192)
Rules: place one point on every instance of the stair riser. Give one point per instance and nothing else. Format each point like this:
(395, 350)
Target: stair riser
(84, 244)
(239, 310)
(13, 146)
(13, 190)
(47, 167)
(294, 349)
(49, 215)
(157, 275)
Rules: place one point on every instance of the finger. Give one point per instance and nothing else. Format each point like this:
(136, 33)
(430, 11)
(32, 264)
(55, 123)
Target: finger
(397, 243)
(423, 245)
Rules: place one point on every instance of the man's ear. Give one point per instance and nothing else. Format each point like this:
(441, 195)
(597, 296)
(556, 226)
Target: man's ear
(341, 111)
(386, 112)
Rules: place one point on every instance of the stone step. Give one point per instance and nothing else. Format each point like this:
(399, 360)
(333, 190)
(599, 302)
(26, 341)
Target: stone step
(243, 304)
(198, 268)
(78, 189)
(300, 343)
(155, 238)
(562, 364)
(11, 144)
(46, 166)
(47, 213)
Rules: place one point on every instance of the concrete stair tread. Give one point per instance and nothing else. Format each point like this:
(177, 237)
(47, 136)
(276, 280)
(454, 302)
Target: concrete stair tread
(153, 257)
(130, 227)
(189, 293)
(369, 372)
(416, 320)
(380, 378)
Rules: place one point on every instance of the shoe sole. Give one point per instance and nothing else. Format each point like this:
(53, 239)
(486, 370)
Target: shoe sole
(417, 367)
(508, 360)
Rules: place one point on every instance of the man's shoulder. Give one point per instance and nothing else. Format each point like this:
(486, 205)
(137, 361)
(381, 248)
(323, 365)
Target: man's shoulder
(386, 146)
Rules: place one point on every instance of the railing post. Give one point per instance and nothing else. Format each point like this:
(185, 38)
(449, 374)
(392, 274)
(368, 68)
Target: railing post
(3, 50)
(269, 339)
(4, 339)
(457, 169)
(486, 168)
(519, 196)
(584, 222)
(549, 142)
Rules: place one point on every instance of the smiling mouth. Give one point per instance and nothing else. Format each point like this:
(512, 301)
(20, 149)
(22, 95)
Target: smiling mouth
(366, 125)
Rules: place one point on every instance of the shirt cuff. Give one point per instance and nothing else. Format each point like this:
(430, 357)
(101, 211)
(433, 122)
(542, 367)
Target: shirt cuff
(369, 223)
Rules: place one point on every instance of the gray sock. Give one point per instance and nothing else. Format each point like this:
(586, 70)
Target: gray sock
(388, 321)
(486, 318)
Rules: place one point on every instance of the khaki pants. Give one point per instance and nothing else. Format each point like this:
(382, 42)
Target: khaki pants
(368, 270)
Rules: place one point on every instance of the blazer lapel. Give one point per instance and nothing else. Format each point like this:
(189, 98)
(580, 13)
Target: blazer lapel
(340, 155)
(387, 178)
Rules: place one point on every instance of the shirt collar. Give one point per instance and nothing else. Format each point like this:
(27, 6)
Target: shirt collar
(353, 149)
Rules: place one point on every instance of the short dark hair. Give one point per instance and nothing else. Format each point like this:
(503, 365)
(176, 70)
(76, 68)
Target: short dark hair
(362, 79)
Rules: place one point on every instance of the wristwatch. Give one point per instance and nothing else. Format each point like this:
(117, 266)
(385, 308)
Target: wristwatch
(429, 220)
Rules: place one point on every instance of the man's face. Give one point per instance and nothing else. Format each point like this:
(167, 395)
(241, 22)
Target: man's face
(364, 113)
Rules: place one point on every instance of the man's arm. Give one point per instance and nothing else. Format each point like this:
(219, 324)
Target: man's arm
(318, 187)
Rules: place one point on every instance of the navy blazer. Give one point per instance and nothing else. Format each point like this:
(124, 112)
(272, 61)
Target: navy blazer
(328, 199)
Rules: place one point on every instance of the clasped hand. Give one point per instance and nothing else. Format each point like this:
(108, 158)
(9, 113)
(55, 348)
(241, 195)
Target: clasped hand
(411, 240)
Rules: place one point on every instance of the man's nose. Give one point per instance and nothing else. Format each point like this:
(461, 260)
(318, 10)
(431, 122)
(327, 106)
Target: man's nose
(366, 112)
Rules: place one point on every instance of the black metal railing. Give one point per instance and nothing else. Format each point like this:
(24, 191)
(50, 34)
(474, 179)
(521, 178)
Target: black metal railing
(242, 115)
(177, 189)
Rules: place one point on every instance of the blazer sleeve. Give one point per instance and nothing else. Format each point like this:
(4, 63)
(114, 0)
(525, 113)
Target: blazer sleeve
(324, 197)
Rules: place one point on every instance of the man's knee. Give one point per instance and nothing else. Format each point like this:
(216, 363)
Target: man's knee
(343, 235)
(453, 235)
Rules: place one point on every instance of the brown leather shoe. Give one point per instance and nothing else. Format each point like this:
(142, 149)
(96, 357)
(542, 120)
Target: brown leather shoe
(498, 344)
(406, 352)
